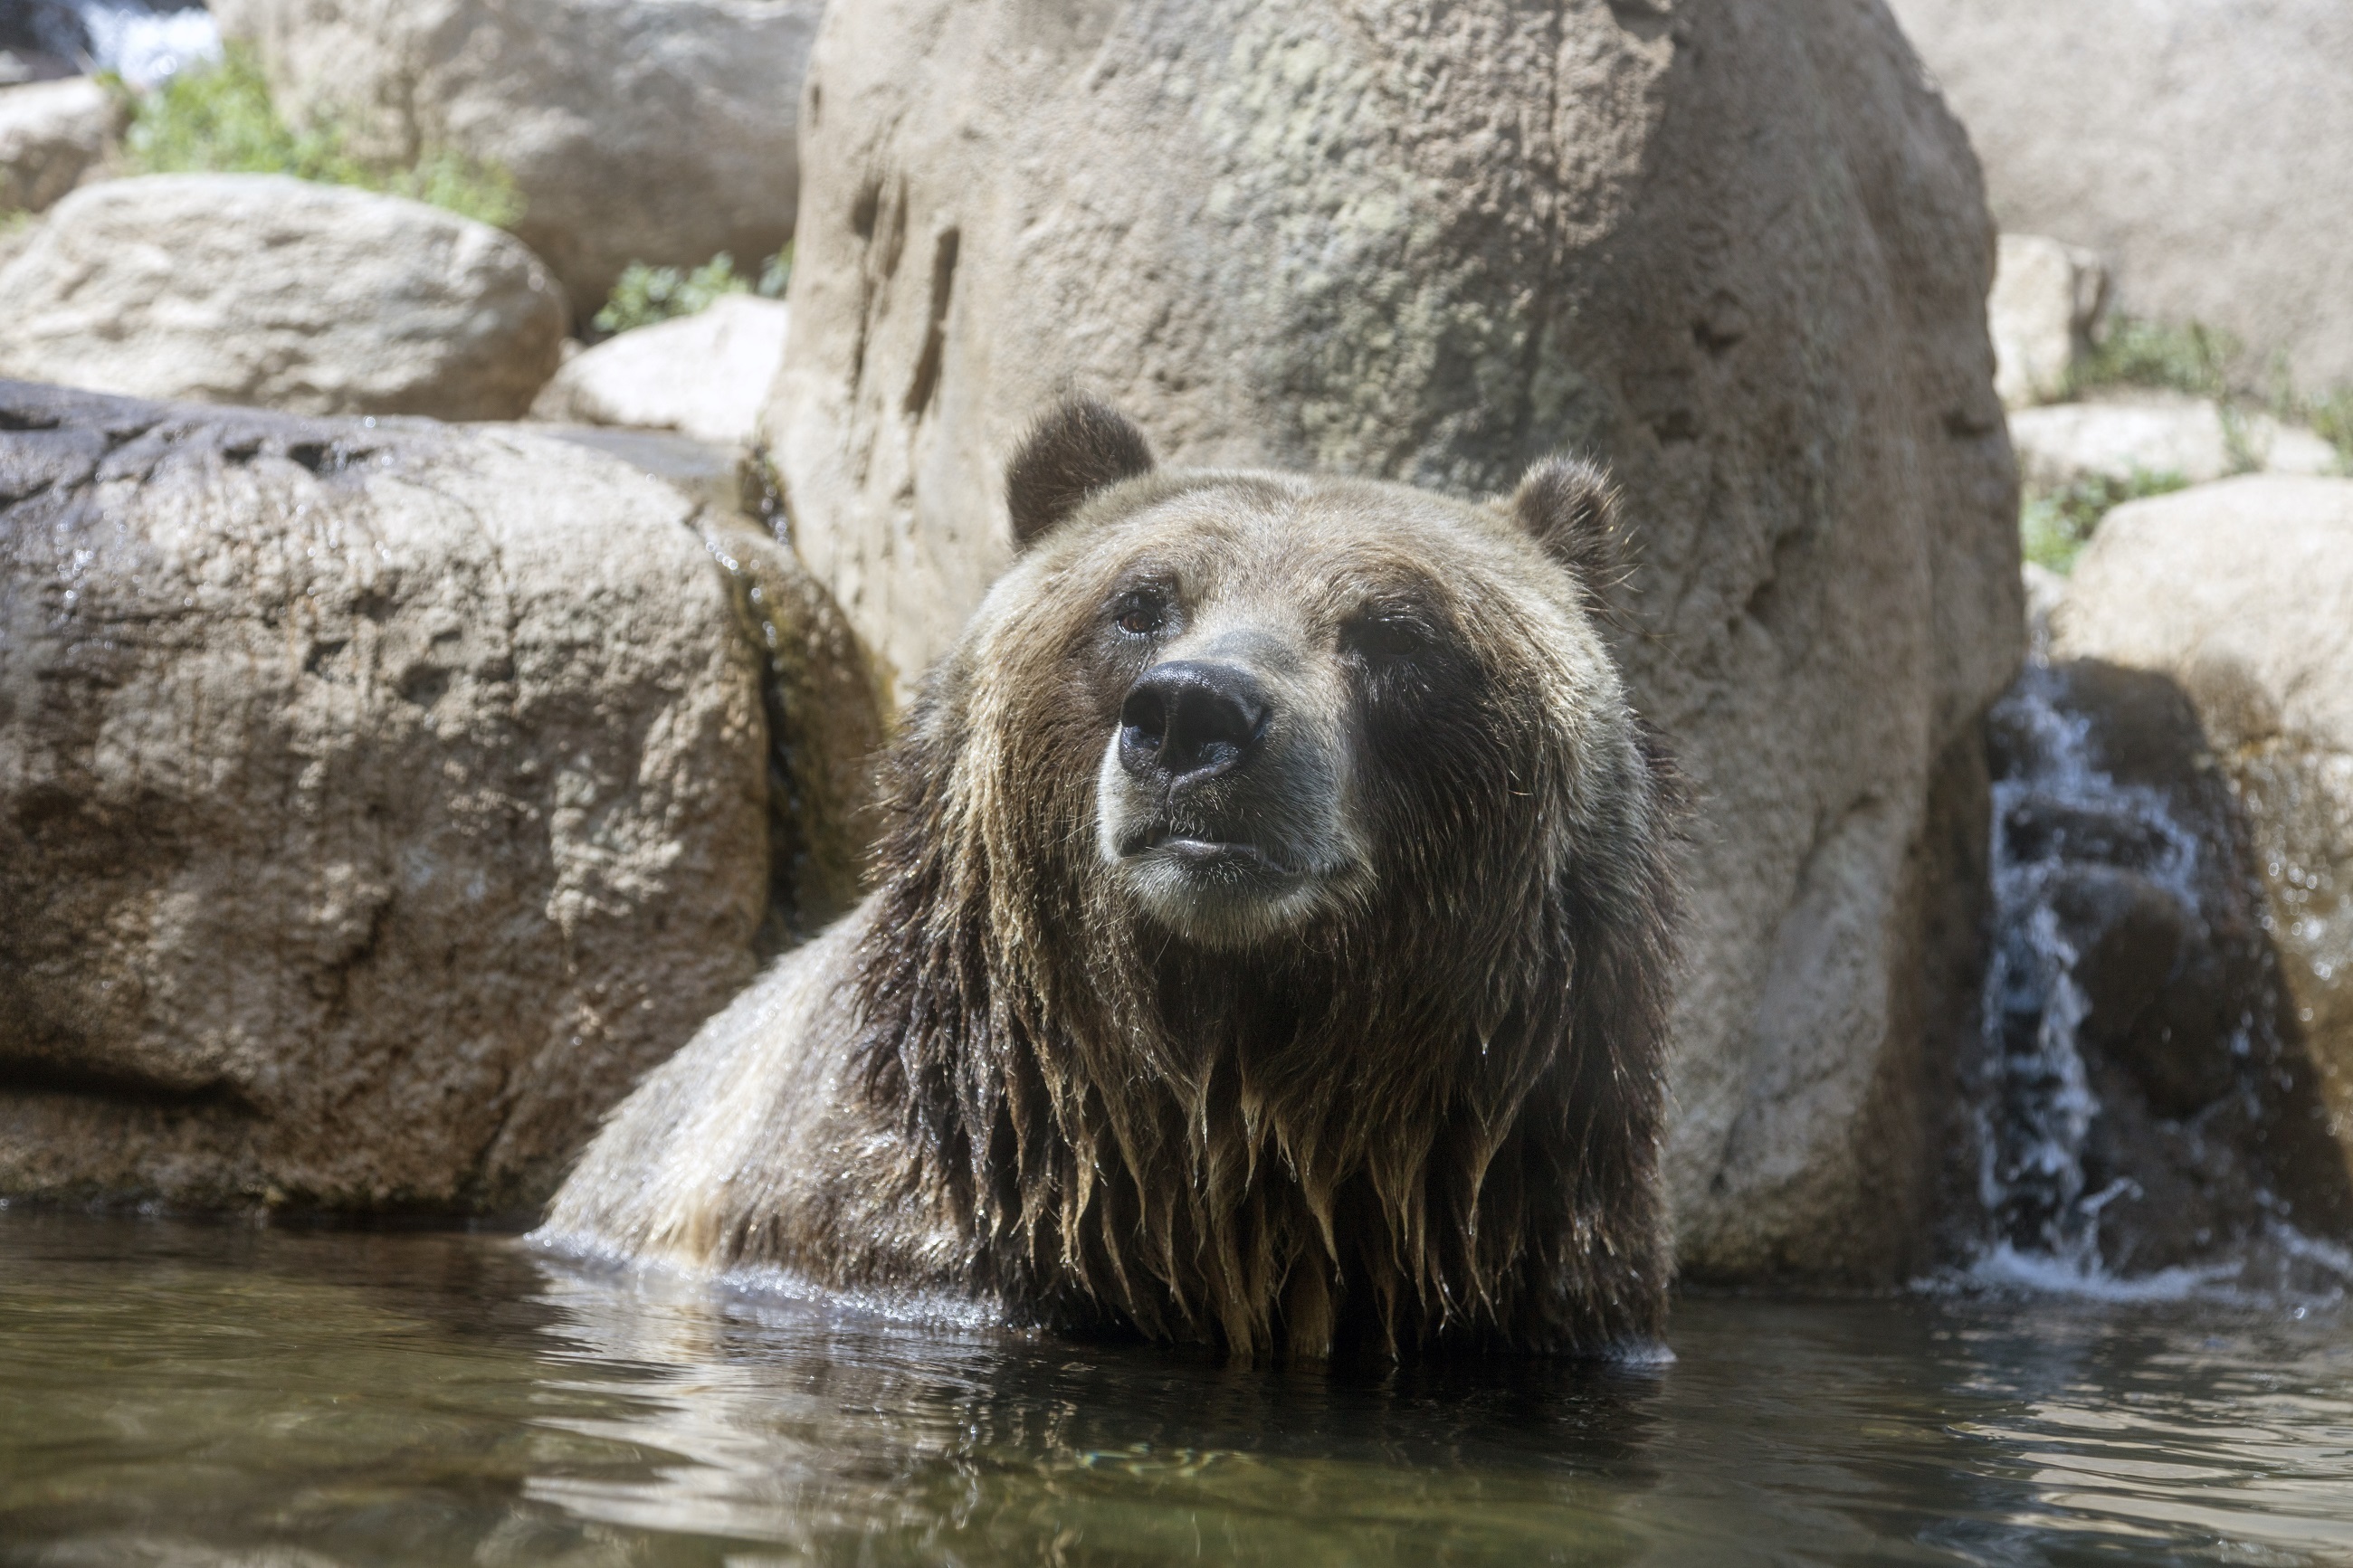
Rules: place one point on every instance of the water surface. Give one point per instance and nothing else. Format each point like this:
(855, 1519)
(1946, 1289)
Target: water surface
(178, 1393)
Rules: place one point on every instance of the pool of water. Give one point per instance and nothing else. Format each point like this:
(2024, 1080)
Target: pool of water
(218, 1394)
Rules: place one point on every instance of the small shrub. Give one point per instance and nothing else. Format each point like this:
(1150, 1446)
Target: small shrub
(2137, 352)
(645, 295)
(218, 119)
(2331, 415)
(2053, 527)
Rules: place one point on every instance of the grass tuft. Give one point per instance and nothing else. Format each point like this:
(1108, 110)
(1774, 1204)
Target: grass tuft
(645, 295)
(2054, 528)
(218, 119)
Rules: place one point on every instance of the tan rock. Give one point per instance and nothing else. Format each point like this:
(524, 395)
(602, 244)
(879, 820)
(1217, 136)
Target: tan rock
(2152, 435)
(705, 375)
(51, 135)
(1432, 249)
(2242, 592)
(257, 288)
(2194, 146)
(377, 799)
(2046, 302)
(655, 131)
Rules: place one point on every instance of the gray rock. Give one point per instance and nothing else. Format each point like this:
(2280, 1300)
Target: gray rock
(1433, 247)
(378, 799)
(51, 135)
(2158, 435)
(655, 131)
(2194, 146)
(262, 289)
(2044, 309)
(2242, 592)
(705, 375)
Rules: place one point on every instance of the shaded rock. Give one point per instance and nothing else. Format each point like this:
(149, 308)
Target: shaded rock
(51, 135)
(2150, 1099)
(262, 289)
(2158, 435)
(2242, 592)
(655, 131)
(377, 799)
(2185, 143)
(705, 375)
(2046, 301)
(1434, 248)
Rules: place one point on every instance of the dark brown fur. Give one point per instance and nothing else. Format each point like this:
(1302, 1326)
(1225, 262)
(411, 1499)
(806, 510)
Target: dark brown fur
(1428, 1116)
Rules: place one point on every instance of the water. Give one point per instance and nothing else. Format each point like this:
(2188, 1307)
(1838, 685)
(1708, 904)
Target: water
(143, 41)
(176, 1393)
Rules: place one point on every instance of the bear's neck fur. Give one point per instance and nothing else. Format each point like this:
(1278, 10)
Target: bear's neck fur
(1434, 1124)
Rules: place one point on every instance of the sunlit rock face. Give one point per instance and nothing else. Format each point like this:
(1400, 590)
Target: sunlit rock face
(2242, 592)
(1432, 247)
(653, 131)
(378, 800)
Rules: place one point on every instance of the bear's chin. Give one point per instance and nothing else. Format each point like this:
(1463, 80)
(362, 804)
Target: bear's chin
(1217, 895)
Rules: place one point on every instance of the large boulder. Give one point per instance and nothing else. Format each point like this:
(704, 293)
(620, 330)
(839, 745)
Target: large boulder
(2044, 309)
(655, 131)
(377, 799)
(2147, 435)
(262, 289)
(2242, 592)
(51, 135)
(705, 375)
(1434, 247)
(2188, 142)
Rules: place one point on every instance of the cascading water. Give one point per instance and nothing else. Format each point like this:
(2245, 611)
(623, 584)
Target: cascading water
(145, 42)
(2035, 1119)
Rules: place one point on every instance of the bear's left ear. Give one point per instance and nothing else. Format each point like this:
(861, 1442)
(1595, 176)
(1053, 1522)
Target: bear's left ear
(1082, 446)
(1569, 506)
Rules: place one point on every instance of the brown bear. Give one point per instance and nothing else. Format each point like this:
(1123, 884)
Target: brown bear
(1269, 947)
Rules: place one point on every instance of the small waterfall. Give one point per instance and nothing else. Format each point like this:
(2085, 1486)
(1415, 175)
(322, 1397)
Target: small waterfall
(145, 42)
(2056, 809)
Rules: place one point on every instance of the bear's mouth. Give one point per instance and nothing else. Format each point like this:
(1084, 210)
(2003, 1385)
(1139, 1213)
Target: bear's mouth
(1199, 851)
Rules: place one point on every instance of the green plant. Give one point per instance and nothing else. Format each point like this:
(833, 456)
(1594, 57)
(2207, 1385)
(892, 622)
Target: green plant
(645, 295)
(2331, 415)
(219, 118)
(2055, 526)
(2138, 351)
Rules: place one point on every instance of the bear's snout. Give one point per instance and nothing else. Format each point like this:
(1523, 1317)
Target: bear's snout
(1188, 720)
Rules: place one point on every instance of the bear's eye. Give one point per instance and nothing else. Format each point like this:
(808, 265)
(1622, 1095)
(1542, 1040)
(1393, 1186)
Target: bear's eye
(1385, 634)
(1139, 614)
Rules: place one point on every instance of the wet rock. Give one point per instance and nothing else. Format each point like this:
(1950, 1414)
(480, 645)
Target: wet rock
(51, 135)
(377, 799)
(2045, 305)
(262, 289)
(654, 131)
(2151, 1099)
(2183, 142)
(704, 375)
(2242, 592)
(1326, 237)
(2156, 435)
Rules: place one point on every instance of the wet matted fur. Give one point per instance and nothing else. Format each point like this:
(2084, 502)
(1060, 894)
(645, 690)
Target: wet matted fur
(1384, 1074)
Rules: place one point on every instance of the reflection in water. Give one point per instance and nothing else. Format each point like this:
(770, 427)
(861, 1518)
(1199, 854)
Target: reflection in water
(172, 1393)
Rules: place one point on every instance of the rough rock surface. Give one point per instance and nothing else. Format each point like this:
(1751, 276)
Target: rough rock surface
(655, 131)
(377, 800)
(2242, 592)
(705, 375)
(2152, 434)
(2149, 1097)
(51, 135)
(1433, 249)
(2046, 302)
(277, 292)
(2194, 145)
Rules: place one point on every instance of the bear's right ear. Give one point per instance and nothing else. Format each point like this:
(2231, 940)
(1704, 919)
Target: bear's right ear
(1082, 446)
(1569, 507)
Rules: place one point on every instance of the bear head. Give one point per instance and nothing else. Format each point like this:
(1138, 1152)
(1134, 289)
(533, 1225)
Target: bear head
(1275, 911)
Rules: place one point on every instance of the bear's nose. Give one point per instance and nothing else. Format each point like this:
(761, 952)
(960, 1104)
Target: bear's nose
(1190, 720)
